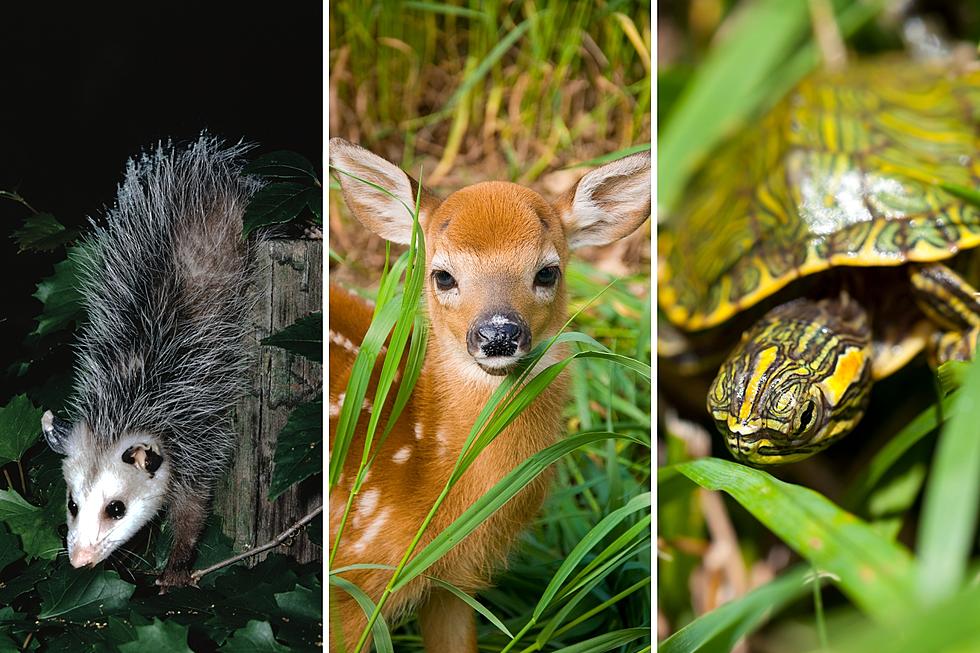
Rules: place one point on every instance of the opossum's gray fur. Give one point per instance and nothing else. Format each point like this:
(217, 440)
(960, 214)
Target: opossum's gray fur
(163, 350)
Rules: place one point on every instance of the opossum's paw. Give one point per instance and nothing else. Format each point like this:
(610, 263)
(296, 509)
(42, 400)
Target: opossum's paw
(174, 579)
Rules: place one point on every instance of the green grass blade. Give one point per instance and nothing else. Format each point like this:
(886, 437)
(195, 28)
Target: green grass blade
(874, 572)
(357, 386)
(608, 641)
(718, 631)
(473, 603)
(382, 636)
(722, 91)
(921, 426)
(594, 536)
(949, 516)
(496, 497)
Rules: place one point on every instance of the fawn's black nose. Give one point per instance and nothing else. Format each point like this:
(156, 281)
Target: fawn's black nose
(498, 333)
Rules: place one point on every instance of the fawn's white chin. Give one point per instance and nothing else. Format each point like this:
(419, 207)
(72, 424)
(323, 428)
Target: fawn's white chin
(497, 365)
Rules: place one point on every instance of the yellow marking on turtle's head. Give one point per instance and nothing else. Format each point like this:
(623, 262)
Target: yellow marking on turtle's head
(848, 369)
(760, 371)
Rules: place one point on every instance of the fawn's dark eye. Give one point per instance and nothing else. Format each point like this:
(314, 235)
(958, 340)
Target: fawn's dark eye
(547, 277)
(444, 280)
(115, 510)
(72, 506)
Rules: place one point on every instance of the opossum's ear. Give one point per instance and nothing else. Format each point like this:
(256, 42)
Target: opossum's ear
(387, 212)
(144, 457)
(56, 432)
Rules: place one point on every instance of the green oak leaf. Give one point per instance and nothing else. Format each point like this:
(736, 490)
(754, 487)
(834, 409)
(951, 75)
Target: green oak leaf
(255, 637)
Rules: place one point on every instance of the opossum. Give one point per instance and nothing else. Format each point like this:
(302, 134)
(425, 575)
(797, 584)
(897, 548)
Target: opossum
(161, 356)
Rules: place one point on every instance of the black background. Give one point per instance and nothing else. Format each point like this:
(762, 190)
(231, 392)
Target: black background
(85, 86)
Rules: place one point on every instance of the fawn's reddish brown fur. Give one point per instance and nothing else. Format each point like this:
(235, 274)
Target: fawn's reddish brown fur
(494, 241)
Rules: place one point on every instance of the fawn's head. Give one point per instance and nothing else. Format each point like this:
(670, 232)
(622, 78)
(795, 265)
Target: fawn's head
(495, 252)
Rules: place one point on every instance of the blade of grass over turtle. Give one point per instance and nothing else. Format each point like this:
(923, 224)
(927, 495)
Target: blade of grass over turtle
(382, 636)
(757, 41)
(947, 531)
(921, 426)
(718, 631)
(949, 626)
(875, 573)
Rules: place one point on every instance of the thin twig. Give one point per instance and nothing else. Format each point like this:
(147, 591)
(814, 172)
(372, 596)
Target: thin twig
(279, 539)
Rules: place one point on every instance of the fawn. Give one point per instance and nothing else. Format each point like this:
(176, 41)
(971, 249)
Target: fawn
(495, 263)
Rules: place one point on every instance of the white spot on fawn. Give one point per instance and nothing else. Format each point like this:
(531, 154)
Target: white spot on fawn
(371, 532)
(418, 430)
(341, 340)
(367, 502)
(366, 406)
(402, 455)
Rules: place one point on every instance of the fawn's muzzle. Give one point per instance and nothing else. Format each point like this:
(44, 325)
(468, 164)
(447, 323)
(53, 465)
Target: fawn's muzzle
(496, 339)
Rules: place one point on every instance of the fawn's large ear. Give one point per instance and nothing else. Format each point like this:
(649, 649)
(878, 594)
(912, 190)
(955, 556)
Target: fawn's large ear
(608, 203)
(389, 217)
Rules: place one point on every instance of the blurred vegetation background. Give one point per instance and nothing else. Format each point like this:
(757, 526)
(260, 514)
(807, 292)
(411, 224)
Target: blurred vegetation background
(497, 89)
(738, 556)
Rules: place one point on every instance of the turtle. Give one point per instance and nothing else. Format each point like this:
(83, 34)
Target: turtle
(837, 230)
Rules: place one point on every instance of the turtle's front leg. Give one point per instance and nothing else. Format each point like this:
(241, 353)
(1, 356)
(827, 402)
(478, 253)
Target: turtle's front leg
(953, 305)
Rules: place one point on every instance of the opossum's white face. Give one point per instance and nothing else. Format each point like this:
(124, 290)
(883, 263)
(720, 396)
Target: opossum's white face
(111, 493)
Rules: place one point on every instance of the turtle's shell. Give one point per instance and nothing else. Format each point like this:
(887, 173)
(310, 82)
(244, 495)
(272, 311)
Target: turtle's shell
(845, 171)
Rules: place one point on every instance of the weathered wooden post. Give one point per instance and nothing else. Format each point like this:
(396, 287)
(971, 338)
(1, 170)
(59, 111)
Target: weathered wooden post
(288, 285)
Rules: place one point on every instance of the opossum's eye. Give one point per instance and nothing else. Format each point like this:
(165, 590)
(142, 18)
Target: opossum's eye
(115, 510)
(72, 506)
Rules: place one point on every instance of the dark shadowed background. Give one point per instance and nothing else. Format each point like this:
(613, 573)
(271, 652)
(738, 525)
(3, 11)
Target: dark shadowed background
(84, 87)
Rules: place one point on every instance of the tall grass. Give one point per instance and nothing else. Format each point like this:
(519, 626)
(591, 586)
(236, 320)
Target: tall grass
(591, 554)
(542, 83)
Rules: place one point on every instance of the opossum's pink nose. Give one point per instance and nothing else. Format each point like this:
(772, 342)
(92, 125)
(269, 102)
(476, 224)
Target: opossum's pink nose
(81, 556)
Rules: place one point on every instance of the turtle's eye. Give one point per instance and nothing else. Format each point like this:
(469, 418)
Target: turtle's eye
(72, 506)
(115, 510)
(547, 277)
(808, 416)
(444, 280)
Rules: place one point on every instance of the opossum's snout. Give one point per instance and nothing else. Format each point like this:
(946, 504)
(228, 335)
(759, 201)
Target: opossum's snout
(87, 556)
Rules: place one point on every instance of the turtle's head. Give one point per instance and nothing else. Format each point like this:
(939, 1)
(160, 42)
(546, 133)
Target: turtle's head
(798, 381)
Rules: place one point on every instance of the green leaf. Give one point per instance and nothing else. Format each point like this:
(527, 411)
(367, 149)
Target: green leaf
(160, 635)
(83, 594)
(282, 164)
(42, 233)
(10, 550)
(947, 531)
(303, 337)
(301, 603)
(299, 448)
(59, 292)
(28, 521)
(20, 426)
(256, 637)
(277, 204)
(719, 630)
(874, 572)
